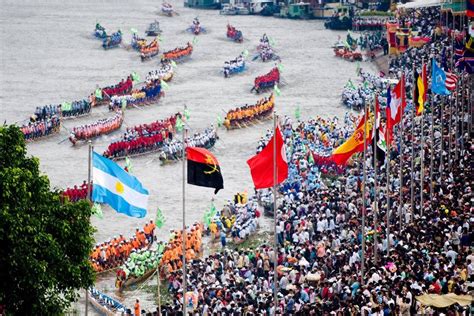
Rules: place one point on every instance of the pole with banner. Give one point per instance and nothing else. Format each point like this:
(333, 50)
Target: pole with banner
(183, 234)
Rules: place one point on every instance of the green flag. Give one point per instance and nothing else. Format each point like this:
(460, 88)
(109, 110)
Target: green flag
(277, 90)
(128, 165)
(66, 106)
(350, 84)
(195, 40)
(297, 112)
(210, 214)
(135, 77)
(271, 41)
(160, 39)
(280, 67)
(134, 30)
(366, 84)
(219, 121)
(310, 158)
(245, 53)
(98, 93)
(179, 124)
(160, 219)
(173, 64)
(164, 84)
(186, 113)
(358, 68)
(97, 211)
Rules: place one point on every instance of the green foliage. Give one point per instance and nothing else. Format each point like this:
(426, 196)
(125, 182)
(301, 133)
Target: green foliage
(45, 244)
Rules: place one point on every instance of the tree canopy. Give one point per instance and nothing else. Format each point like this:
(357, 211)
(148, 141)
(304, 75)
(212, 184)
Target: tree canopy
(45, 243)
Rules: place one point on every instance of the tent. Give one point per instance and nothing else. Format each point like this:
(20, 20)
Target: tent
(442, 301)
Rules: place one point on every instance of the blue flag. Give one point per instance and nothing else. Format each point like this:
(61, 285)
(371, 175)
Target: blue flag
(116, 187)
(438, 80)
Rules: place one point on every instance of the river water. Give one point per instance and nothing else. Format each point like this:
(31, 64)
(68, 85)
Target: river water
(48, 55)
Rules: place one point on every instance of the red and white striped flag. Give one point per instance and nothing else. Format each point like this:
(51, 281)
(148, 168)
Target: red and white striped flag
(451, 81)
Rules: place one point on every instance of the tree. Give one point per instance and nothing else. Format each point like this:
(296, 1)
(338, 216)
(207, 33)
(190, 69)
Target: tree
(45, 244)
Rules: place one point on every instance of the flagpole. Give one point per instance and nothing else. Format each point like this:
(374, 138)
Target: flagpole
(400, 132)
(432, 149)
(451, 105)
(461, 117)
(387, 188)
(275, 180)
(375, 137)
(159, 290)
(422, 165)
(450, 108)
(442, 139)
(89, 197)
(422, 140)
(456, 126)
(362, 266)
(184, 223)
(412, 187)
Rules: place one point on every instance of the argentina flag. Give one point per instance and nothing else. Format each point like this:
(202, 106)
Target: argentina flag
(116, 187)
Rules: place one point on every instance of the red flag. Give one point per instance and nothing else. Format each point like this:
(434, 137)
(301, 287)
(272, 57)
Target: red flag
(261, 165)
(396, 103)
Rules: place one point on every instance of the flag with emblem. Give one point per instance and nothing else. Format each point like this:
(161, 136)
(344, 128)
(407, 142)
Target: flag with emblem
(438, 80)
(204, 169)
(353, 144)
(262, 165)
(117, 188)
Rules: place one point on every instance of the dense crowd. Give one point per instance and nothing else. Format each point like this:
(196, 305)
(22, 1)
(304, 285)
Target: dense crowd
(114, 252)
(354, 96)
(142, 138)
(409, 248)
(101, 127)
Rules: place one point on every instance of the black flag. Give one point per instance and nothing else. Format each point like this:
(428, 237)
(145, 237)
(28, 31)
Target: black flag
(204, 169)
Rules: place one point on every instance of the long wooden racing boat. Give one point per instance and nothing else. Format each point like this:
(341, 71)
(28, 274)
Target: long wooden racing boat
(132, 281)
(239, 125)
(113, 269)
(104, 304)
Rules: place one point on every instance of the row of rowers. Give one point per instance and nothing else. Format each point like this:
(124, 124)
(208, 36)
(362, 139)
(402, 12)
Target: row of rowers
(114, 252)
(249, 111)
(172, 256)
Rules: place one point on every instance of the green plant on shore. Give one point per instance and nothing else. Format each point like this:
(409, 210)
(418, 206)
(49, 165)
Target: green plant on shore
(44, 257)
